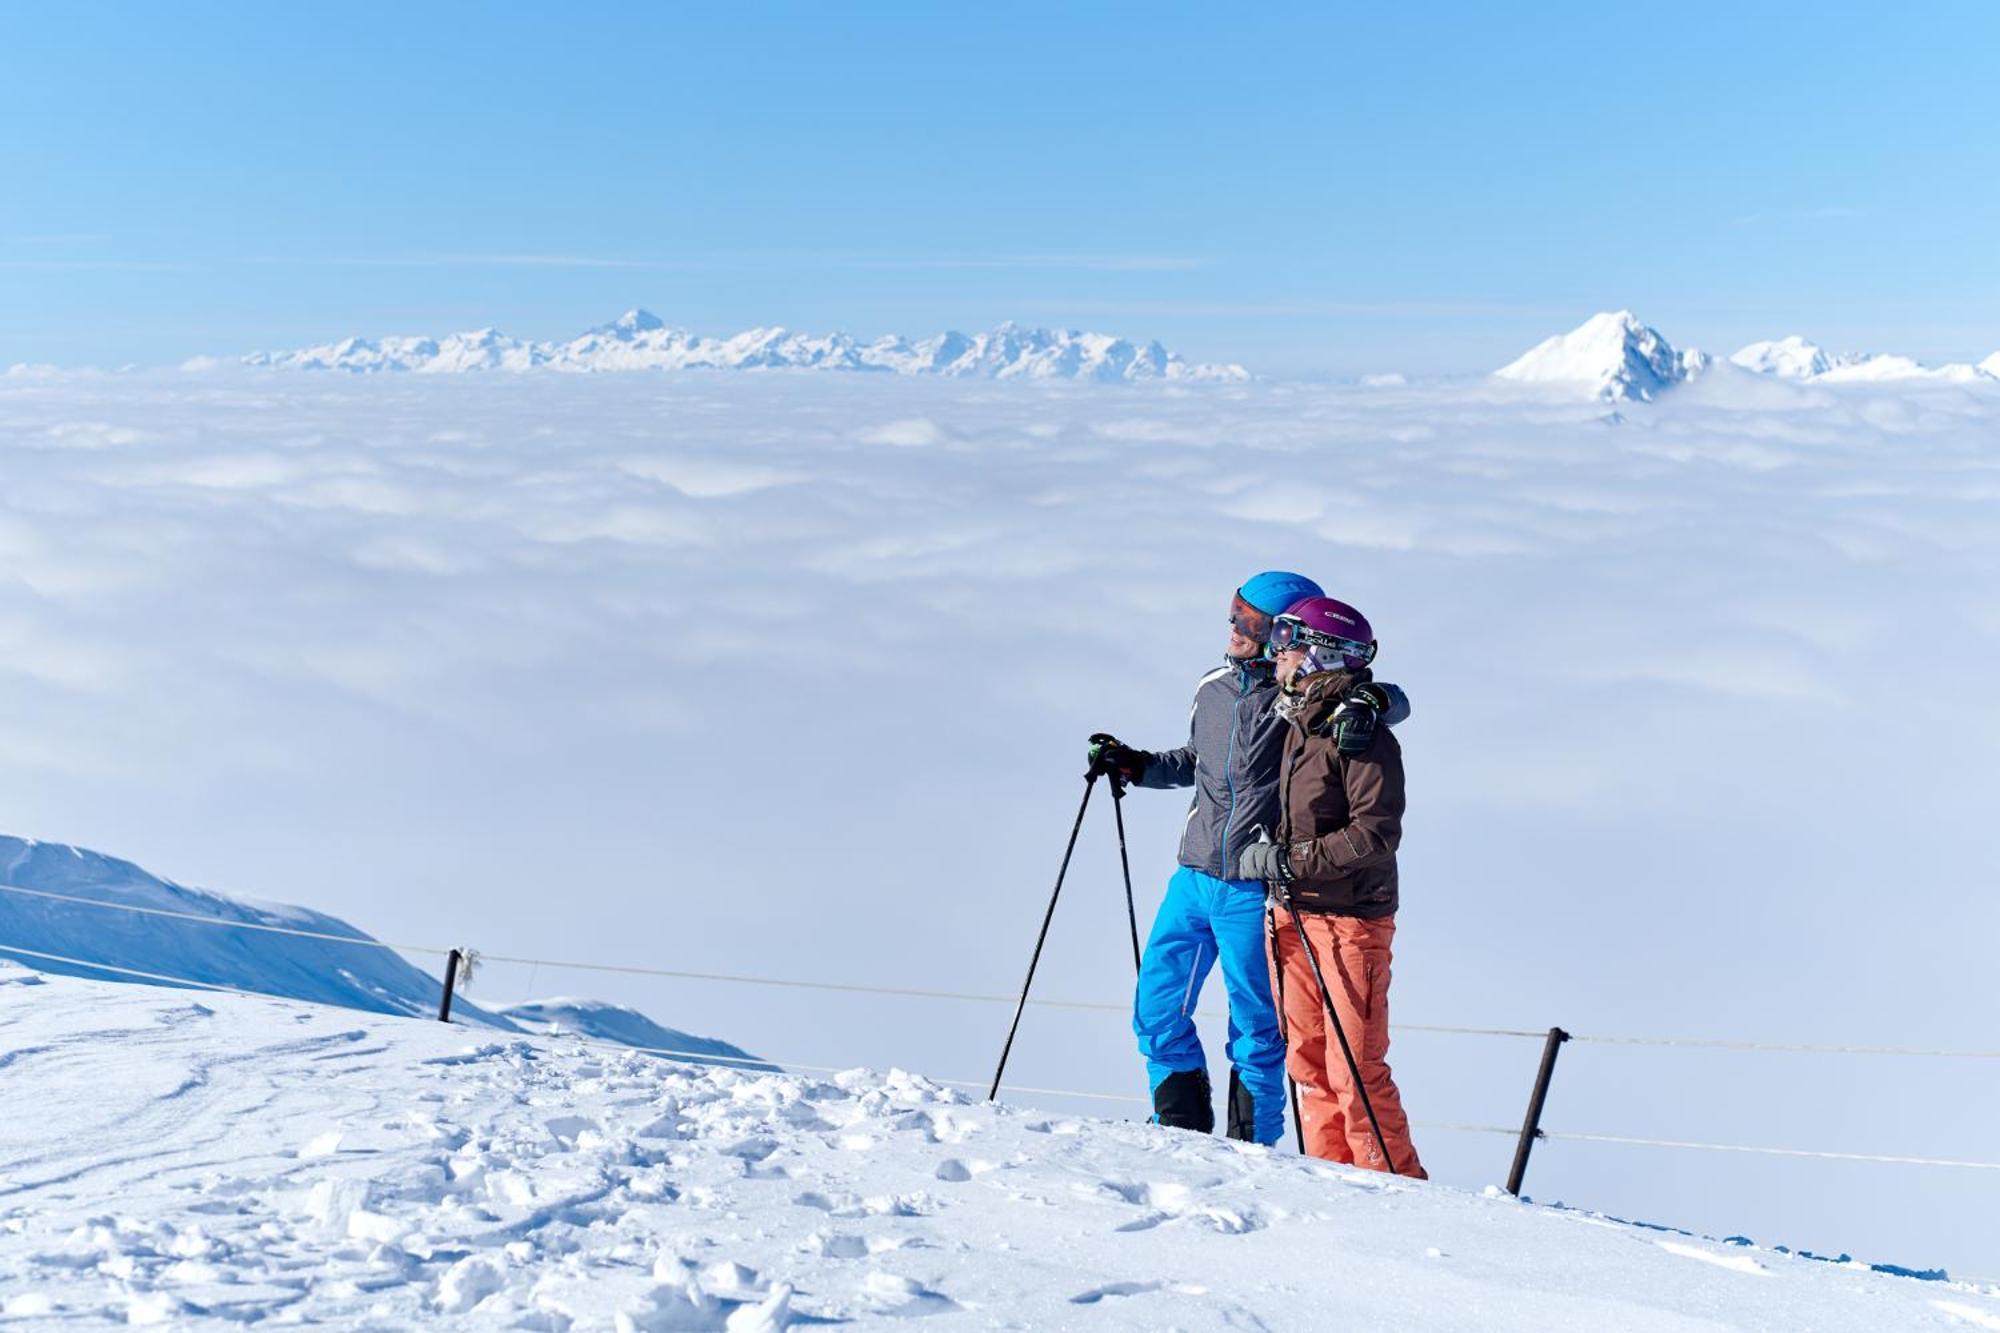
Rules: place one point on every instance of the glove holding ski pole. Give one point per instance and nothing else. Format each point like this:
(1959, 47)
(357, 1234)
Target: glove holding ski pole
(1266, 860)
(1115, 759)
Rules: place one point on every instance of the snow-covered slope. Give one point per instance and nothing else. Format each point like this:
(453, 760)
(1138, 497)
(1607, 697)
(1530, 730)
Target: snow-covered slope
(325, 971)
(1612, 355)
(41, 929)
(639, 340)
(207, 1162)
(601, 1021)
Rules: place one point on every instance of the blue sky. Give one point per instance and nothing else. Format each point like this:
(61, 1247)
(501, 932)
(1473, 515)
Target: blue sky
(1311, 190)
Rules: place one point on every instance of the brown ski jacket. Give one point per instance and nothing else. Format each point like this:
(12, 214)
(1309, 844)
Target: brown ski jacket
(1341, 815)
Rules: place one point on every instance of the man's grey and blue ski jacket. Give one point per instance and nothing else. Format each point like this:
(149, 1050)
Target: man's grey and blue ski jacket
(1231, 759)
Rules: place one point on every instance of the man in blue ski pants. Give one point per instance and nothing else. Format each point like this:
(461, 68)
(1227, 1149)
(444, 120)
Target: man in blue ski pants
(1231, 760)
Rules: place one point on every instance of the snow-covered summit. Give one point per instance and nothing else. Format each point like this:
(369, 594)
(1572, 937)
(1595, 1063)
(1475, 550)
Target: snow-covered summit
(1791, 358)
(1613, 354)
(641, 340)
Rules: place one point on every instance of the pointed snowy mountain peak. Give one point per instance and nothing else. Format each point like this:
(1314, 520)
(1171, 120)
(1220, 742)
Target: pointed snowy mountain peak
(1613, 354)
(637, 320)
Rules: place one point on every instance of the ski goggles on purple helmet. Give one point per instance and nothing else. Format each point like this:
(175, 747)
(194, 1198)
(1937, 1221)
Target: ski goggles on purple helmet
(1289, 631)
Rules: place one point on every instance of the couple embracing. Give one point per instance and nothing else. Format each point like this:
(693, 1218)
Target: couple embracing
(1292, 837)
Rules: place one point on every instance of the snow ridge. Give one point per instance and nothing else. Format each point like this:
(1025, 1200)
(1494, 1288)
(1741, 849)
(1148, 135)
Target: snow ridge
(640, 340)
(1796, 358)
(361, 976)
(600, 1020)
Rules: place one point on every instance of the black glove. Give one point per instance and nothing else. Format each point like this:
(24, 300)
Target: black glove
(1265, 861)
(1353, 723)
(1110, 755)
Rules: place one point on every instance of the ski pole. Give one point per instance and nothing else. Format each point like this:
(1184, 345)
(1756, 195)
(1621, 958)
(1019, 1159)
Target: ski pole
(1353, 1068)
(1125, 864)
(1089, 781)
(1285, 1029)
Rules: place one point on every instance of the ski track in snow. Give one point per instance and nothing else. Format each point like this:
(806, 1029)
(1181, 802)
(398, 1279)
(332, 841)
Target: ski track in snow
(235, 1160)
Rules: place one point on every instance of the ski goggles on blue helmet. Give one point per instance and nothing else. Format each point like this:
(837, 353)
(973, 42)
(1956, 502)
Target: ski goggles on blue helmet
(1288, 631)
(1248, 621)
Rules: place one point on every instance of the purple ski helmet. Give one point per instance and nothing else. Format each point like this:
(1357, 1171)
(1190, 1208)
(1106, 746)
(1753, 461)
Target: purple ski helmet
(1333, 634)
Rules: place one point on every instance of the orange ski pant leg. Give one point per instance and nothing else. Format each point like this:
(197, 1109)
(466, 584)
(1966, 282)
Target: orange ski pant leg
(1355, 955)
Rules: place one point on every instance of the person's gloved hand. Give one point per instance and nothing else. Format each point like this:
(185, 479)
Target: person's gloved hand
(1265, 861)
(1110, 755)
(1353, 723)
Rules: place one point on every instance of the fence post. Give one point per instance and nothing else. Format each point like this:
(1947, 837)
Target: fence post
(1531, 1128)
(450, 980)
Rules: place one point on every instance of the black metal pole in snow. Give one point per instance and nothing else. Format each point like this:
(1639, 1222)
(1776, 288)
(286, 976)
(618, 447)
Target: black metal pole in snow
(1125, 864)
(1333, 1017)
(1285, 1029)
(1089, 781)
(1531, 1127)
(450, 980)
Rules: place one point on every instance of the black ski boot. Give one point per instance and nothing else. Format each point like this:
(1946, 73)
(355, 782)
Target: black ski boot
(1183, 1101)
(1242, 1111)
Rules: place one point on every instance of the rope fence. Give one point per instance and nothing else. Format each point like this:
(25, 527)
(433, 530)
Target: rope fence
(1528, 1134)
(975, 997)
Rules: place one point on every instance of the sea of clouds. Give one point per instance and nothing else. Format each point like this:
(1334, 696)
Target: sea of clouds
(791, 674)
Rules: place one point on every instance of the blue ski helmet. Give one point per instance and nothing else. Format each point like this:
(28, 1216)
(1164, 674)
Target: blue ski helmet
(1274, 591)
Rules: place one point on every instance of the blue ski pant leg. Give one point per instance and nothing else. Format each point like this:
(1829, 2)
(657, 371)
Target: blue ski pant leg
(1256, 1041)
(1179, 954)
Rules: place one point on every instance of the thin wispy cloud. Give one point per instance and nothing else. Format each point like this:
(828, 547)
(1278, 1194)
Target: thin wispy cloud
(1113, 263)
(1098, 263)
(1826, 213)
(465, 261)
(86, 265)
(1298, 309)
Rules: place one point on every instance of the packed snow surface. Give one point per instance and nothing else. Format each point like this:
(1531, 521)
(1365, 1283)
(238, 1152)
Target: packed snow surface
(214, 1161)
(640, 340)
(1613, 354)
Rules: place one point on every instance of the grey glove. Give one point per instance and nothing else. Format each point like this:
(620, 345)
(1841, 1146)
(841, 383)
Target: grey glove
(1265, 861)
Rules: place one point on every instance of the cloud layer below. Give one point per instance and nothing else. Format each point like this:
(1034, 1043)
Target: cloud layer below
(777, 672)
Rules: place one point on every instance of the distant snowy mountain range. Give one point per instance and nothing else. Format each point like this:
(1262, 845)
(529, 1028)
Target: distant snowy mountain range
(44, 931)
(639, 340)
(1615, 357)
